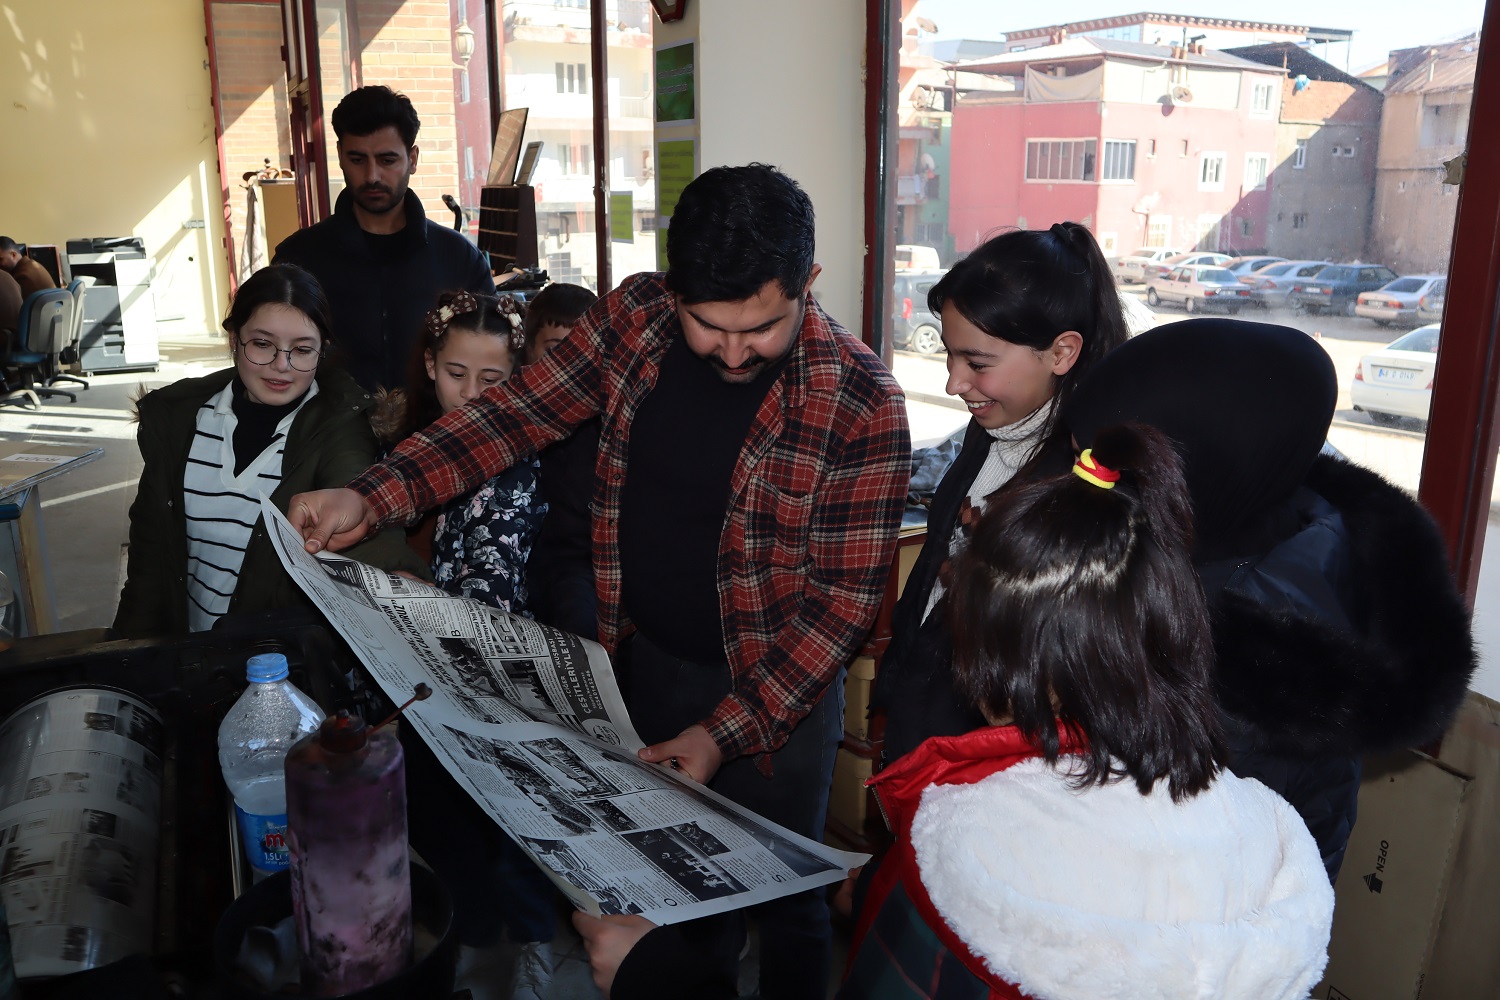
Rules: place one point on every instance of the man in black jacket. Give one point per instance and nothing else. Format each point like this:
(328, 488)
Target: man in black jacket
(380, 260)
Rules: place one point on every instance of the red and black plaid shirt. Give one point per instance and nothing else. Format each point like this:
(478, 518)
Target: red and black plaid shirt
(815, 499)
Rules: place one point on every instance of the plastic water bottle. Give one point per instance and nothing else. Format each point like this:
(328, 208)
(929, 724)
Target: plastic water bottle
(253, 742)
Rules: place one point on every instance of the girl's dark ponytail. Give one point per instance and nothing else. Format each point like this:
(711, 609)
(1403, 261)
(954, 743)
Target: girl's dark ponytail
(1076, 602)
(1110, 330)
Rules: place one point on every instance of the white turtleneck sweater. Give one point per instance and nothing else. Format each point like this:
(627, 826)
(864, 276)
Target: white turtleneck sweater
(1010, 448)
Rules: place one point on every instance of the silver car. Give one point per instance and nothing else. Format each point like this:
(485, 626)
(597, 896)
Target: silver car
(1397, 301)
(1271, 285)
(1199, 289)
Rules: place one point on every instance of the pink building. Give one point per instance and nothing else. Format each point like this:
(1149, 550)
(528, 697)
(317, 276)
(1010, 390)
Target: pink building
(1147, 145)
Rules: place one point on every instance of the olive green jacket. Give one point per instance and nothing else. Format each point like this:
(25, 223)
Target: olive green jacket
(330, 442)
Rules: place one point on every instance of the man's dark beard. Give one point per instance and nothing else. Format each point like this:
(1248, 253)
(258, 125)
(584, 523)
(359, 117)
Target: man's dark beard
(397, 199)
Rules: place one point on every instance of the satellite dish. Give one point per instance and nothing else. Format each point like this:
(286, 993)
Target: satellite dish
(1182, 95)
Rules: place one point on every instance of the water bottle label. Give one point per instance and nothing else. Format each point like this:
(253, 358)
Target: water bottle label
(263, 839)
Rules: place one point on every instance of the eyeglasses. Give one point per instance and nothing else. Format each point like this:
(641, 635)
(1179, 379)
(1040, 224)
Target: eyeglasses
(303, 357)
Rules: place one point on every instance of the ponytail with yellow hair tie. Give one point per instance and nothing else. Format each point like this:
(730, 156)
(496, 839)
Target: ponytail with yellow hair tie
(1088, 469)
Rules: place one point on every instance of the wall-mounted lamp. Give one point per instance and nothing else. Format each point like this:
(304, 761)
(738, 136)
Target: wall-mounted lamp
(463, 39)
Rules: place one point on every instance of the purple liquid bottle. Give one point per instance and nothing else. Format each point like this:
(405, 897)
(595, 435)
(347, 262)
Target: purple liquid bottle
(351, 888)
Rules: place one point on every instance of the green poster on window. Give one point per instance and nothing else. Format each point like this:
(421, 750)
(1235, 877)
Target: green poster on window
(676, 163)
(622, 216)
(674, 84)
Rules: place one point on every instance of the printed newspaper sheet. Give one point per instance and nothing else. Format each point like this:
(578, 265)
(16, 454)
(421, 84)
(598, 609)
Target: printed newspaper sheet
(530, 721)
(80, 795)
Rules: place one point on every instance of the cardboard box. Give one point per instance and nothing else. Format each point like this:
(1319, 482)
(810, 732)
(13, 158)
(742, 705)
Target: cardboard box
(857, 697)
(906, 558)
(848, 801)
(1390, 893)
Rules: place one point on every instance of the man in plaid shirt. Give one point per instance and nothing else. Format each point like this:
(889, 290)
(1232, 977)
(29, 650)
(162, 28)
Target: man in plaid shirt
(741, 561)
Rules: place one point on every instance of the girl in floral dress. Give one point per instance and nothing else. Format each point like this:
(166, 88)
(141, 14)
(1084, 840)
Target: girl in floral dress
(482, 539)
(479, 550)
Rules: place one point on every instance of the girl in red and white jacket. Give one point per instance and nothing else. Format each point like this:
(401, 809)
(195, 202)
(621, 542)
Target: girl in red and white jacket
(1087, 844)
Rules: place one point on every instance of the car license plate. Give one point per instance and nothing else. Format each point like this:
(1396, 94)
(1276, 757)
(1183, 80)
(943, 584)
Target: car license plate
(1396, 374)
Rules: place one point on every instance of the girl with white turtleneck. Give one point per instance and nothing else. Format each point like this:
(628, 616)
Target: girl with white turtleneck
(1025, 316)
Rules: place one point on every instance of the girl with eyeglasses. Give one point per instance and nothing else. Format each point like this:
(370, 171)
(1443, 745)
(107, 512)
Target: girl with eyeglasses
(279, 422)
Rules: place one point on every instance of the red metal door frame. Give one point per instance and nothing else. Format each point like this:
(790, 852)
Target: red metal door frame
(1458, 465)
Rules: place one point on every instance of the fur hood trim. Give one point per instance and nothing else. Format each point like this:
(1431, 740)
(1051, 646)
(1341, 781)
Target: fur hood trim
(388, 415)
(1393, 676)
(1108, 894)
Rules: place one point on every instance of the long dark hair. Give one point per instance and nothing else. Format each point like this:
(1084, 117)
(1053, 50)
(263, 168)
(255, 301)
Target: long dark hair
(1078, 604)
(1026, 286)
(280, 284)
(456, 311)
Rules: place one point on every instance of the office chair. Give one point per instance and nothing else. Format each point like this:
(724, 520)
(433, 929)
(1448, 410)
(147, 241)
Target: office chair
(70, 352)
(42, 332)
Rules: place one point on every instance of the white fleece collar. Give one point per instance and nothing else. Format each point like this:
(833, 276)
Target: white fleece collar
(1107, 894)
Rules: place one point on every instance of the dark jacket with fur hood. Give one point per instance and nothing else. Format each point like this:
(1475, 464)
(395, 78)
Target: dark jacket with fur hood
(329, 443)
(1348, 638)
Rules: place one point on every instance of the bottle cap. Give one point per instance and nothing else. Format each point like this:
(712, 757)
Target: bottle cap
(343, 733)
(265, 667)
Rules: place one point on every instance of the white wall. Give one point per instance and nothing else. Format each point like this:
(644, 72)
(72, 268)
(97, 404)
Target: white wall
(782, 82)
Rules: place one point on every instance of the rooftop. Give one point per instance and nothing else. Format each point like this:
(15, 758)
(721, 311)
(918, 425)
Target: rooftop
(1297, 61)
(1080, 48)
(1185, 21)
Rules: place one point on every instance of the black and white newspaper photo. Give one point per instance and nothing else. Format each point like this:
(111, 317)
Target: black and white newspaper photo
(530, 721)
(80, 796)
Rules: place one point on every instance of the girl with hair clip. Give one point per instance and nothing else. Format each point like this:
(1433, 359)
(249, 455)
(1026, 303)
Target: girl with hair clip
(1025, 317)
(279, 422)
(1085, 845)
(482, 539)
(480, 545)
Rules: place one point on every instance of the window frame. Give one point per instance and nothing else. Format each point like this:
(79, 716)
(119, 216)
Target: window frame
(1204, 159)
(1265, 172)
(1299, 154)
(1089, 169)
(1101, 163)
(1256, 89)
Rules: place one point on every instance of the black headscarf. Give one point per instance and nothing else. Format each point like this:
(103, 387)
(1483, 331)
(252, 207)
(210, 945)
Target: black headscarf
(1247, 404)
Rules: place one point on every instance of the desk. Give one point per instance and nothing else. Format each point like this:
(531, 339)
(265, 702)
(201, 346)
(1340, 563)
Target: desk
(23, 543)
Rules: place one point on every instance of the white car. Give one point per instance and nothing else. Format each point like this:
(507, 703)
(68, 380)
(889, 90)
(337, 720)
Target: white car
(1132, 267)
(1199, 289)
(1398, 301)
(1200, 259)
(1396, 381)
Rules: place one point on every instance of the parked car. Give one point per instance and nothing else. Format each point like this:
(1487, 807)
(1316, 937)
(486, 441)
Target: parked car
(1199, 289)
(1132, 267)
(1396, 301)
(1430, 306)
(1270, 286)
(1185, 260)
(1242, 266)
(913, 326)
(1337, 286)
(1396, 381)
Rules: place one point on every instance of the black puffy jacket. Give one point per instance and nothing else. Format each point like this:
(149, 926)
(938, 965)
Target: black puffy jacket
(378, 305)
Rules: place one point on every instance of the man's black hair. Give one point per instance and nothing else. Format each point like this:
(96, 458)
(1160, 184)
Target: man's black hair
(736, 228)
(370, 109)
(6, 243)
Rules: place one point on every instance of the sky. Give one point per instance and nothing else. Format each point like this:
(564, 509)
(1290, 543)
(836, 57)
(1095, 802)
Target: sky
(1378, 25)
